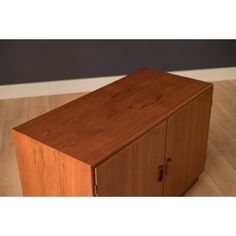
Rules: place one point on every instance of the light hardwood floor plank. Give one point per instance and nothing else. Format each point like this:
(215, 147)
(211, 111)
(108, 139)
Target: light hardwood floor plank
(230, 154)
(205, 186)
(58, 100)
(224, 118)
(17, 112)
(229, 87)
(220, 137)
(38, 106)
(223, 95)
(3, 112)
(221, 171)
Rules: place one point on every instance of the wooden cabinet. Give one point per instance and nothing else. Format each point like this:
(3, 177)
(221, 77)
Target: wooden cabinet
(135, 169)
(143, 135)
(186, 144)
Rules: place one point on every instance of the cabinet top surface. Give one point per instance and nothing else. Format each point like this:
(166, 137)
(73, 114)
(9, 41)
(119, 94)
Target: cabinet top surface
(95, 126)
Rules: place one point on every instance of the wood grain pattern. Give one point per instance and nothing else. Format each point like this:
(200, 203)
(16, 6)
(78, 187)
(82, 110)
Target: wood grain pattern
(59, 100)
(99, 124)
(13, 112)
(16, 112)
(57, 152)
(37, 106)
(134, 170)
(205, 186)
(3, 113)
(221, 171)
(210, 182)
(187, 135)
(47, 172)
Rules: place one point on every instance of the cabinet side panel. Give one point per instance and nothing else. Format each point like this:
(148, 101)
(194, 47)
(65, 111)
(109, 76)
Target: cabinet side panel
(187, 135)
(201, 110)
(133, 171)
(47, 172)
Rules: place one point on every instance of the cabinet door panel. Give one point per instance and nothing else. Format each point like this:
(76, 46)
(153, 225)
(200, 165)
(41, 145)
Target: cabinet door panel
(187, 134)
(133, 171)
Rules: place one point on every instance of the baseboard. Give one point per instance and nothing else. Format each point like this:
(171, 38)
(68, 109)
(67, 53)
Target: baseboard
(54, 87)
(90, 84)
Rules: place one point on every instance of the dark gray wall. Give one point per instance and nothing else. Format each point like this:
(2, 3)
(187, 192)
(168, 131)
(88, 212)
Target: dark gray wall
(45, 60)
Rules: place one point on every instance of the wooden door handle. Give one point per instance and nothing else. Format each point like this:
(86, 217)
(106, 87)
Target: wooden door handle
(168, 160)
(160, 173)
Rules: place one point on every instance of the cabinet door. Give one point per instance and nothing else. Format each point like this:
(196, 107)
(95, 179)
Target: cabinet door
(137, 169)
(187, 134)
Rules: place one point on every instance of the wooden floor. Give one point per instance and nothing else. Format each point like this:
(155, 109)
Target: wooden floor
(219, 178)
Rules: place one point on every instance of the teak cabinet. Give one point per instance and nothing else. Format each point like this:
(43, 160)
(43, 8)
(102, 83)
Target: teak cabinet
(143, 135)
